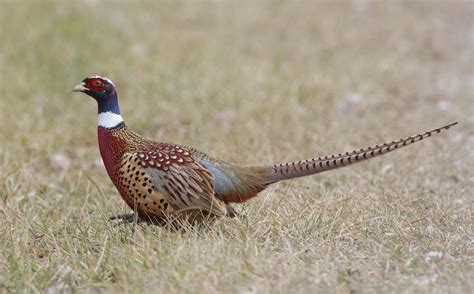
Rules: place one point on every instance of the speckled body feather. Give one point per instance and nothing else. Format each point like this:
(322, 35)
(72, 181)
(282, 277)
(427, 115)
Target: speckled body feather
(161, 179)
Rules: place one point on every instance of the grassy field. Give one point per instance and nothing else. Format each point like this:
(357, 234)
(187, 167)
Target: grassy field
(252, 84)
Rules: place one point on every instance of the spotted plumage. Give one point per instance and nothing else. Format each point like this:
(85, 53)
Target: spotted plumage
(164, 180)
(163, 155)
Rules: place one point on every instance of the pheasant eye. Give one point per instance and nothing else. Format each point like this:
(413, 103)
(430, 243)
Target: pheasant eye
(97, 84)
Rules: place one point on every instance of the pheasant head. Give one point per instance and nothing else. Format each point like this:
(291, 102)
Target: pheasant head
(103, 91)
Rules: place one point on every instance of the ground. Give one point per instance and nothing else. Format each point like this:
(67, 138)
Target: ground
(252, 83)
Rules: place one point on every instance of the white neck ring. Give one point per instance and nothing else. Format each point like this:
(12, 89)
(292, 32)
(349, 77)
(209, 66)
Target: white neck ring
(109, 119)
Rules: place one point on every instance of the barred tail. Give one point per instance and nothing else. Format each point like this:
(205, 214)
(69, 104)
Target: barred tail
(285, 171)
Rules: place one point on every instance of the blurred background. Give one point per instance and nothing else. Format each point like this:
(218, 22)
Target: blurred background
(250, 82)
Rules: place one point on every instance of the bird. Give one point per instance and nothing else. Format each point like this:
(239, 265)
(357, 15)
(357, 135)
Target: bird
(163, 182)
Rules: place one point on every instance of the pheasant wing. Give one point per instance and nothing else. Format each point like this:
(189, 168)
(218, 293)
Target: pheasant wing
(183, 182)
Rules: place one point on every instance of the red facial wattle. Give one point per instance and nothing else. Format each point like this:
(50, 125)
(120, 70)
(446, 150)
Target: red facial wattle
(95, 85)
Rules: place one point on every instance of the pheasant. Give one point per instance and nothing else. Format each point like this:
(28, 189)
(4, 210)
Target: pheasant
(162, 181)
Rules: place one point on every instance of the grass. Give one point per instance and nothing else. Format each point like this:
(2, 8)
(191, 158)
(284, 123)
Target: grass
(252, 83)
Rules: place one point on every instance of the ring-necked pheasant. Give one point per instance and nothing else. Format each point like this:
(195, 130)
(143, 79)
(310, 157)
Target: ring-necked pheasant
(162, 180)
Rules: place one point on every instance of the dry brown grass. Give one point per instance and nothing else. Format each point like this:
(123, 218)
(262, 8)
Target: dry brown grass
(250, 83)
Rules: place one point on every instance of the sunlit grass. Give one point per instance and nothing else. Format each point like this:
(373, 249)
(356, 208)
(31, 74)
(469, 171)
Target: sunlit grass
(252, 84)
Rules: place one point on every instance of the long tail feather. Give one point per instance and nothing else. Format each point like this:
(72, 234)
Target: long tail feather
(285, 171)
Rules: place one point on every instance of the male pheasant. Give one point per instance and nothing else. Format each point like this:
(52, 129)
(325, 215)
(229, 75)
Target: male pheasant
(163, 180)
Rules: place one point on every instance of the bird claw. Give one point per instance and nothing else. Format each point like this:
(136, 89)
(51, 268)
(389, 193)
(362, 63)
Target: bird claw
(129, 218)
(126, 218)
(231, 212)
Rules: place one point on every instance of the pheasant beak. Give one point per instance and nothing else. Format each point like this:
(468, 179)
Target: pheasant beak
(80, 88)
